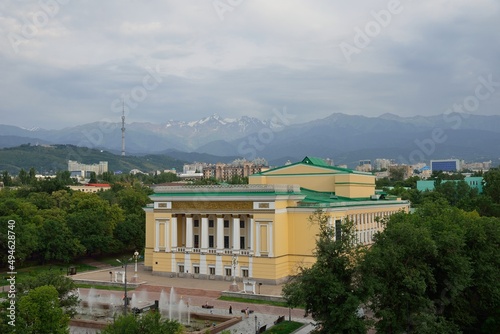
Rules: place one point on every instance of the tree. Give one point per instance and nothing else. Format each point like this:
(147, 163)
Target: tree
(328, 289)
(435, 271)
(32, 175)
(92, 220)
(23, 177)
(40, 313)
(459, 194)
(149, 323)
(6, 179)
(491, 186)
(93, 177)
(64, 286)
(58, 243)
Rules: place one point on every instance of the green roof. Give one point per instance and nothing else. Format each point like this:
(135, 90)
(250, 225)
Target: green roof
(327, 199)
(318, 162)
(226, 190)
(315, 161)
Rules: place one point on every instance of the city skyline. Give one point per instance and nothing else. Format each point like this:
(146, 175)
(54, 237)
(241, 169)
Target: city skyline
(66, 63)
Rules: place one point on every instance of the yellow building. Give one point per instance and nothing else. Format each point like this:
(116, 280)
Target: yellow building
(197, 231)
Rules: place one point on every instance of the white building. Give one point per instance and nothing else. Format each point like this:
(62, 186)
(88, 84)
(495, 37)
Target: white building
(84, 170)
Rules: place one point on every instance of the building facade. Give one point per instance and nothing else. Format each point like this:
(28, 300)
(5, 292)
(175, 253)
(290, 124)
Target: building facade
(198, 231)
(475, 182)
(225, 172)
(83, 170)
(450, 165)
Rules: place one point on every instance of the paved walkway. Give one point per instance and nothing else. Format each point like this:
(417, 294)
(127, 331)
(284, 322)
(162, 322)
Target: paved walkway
(197, 292)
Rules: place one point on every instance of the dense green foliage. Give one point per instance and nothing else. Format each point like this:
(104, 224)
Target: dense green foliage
(285, 327)
(329, 288)
(457, 193)
(65, 287)
(62, 225)
(432, 271)
(149, 323)
(40, 313)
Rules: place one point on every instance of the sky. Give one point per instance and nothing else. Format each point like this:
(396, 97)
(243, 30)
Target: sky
(65, 63)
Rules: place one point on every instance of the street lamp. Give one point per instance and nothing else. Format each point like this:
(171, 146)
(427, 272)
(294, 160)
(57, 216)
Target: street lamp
(136, 256)
(124, 264)
(256, 328)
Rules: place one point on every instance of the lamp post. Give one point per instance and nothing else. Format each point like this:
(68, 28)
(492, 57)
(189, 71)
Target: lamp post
(256, 328)
(136, 256)
(124, 264)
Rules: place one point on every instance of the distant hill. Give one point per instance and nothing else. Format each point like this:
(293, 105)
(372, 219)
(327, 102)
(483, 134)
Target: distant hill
(49, 159)
(344, 138)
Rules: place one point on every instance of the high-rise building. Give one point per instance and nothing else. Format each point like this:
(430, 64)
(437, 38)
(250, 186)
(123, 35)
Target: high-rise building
(84, 170)
(449, 165)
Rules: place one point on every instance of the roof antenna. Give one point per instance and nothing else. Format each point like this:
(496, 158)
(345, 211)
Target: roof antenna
(123, 128)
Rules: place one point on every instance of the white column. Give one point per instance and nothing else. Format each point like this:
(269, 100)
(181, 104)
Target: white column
(173, 233)
(189, 232)
(270, 239)
(187, 262)
(220, 233)
(203, 264)
(219, 266)
(157, 236)
(252, 233)
(257, 239)
(250, 267)
(236, 233)
(165, 234)
(204, 233)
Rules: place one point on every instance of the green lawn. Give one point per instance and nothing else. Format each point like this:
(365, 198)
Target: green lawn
(111, 260)
(285, 327)
(253, 301)
(23, 273)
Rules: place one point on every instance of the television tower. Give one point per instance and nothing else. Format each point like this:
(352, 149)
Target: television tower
(123, 128)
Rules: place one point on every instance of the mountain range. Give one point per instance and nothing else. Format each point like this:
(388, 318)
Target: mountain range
(344, 138)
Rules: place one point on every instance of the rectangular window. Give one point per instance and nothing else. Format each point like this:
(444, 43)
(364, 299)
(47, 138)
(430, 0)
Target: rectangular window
(181, 268)
(211, 270)
(226, 223)
(226, 241)
(196, 241)
(228, 272)
(211, 241)
(242, 224)
(196, 269)
(242, 242)
(244, 272)
(196, 223)
(338, 229)
(211, 223)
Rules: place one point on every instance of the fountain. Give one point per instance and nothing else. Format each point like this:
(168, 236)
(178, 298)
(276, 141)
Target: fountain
(143, 297)
(133, 301)
(97, 308)
(91, 299)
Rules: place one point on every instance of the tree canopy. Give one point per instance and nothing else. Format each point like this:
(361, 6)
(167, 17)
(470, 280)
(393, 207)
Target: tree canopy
(432, 271)
(328, 289)
(148, 323)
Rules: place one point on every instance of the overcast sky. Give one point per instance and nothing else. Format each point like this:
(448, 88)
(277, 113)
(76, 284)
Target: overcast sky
(64, 63)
